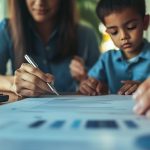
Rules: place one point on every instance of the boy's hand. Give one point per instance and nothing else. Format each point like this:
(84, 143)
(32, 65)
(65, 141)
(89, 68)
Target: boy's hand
(129, 87)
(93, 87)
(77, 69)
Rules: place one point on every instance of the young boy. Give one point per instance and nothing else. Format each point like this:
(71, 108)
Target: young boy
(121, 71)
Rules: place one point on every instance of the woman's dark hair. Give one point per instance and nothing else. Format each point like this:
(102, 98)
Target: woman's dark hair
(106, 7)
(19, 22)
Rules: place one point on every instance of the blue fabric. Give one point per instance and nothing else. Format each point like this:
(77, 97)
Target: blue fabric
(112, 68)
(87, 49)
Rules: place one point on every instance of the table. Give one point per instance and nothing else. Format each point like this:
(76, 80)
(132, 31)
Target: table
(73, 122)
(13, 97)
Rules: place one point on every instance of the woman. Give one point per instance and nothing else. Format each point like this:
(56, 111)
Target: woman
(49, 32)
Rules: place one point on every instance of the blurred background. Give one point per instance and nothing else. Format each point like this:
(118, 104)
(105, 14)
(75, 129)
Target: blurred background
(88, 16)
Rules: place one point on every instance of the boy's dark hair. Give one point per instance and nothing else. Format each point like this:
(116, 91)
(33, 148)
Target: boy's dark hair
(106, 7)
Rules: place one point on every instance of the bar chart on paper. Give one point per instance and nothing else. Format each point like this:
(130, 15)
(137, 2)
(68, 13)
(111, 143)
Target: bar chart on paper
(73, 122)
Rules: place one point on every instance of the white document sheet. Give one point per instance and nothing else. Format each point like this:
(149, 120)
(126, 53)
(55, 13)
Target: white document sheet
(73, 122)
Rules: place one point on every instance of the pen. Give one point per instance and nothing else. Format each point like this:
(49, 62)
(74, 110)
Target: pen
(32, 62)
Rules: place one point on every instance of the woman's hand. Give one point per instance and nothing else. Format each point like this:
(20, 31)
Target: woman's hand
(142, 98)
(30, 81)
(129, 87)
(77, 69)
(93, 87)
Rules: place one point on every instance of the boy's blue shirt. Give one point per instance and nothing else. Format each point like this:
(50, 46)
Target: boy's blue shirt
(112, 68)
(87, 49)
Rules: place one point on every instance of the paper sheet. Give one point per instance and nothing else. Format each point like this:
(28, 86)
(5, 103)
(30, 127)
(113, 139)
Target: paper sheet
(72, 122)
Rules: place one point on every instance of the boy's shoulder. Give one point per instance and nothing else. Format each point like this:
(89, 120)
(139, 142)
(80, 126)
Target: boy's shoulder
(146, 44)
(145, 53)
(111, 53)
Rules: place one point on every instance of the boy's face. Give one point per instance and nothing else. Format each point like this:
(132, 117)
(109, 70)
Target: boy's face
(126, 30)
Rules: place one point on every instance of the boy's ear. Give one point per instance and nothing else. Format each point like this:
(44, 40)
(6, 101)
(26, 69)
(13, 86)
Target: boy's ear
(146, 21)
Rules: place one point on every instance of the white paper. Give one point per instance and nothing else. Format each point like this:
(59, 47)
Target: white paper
(15, 119)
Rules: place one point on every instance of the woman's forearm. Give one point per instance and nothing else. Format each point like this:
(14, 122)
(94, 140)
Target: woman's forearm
(6, 83)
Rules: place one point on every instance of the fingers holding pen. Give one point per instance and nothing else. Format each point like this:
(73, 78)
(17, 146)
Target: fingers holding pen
(36, 72)
(31, 91)
(30, 81)
(93, 87)
(102, 88)
(88, 87)
(86, 90)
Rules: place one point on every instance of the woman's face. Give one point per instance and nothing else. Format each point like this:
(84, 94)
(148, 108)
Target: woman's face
(42, 10)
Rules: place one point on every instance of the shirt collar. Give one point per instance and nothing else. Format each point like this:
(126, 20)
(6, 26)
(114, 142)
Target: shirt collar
(119, 55)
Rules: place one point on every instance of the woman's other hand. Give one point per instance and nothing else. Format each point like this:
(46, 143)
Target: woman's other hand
(77, 69)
